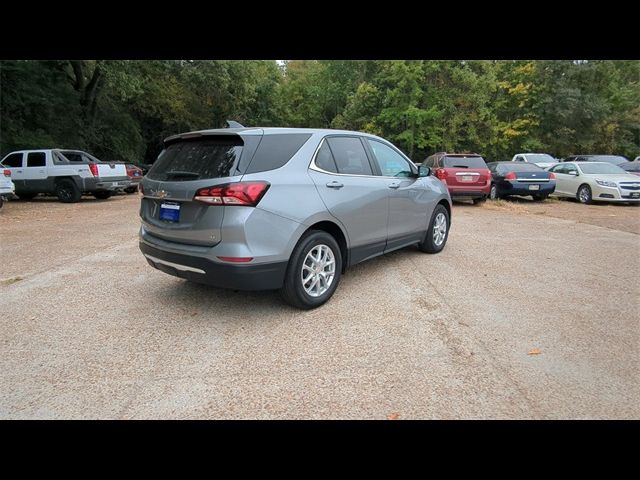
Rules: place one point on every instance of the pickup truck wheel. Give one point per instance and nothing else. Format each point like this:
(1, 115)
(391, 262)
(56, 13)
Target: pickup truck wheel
(102, 195)
(131, 189)
(68, 192)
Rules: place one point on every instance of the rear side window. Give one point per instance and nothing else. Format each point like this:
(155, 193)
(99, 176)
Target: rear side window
(276, 150)
(36, 159)
(13, 160)
(324, 159)
(350, 156)
(464, 162)
(212, 157)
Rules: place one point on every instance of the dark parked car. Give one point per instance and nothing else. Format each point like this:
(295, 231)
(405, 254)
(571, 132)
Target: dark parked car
(512, 178)
(631, 167)
(612, 159)
(135, 175)
(465, 174)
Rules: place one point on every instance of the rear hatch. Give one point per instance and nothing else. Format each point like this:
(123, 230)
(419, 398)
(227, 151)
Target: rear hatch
(185, 166)
(465, 170)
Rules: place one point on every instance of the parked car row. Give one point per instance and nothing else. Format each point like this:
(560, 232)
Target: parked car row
(587, 178)
(68, 174)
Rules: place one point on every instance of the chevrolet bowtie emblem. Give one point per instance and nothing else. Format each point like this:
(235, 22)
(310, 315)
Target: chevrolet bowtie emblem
(162, 193)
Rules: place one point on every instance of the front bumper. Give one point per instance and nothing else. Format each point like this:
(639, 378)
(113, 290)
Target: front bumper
(265, 276)
(612, 194)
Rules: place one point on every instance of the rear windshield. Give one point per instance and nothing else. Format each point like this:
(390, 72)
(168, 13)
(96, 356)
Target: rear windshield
(464, 162)
(540, 158)
(518, 167)
(631, 166)
(211, 157)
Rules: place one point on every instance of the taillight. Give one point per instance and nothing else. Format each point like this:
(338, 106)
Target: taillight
(94, 169)
(488, 174)
(7, 173)
(441, 174)
(552, 176)
(239, 193)
(510, 176)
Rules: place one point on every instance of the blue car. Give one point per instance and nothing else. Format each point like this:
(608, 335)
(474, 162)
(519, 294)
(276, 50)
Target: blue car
(525, 179)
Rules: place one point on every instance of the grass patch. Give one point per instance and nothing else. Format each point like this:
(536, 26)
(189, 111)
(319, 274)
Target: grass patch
(10, 281)
(505, 205)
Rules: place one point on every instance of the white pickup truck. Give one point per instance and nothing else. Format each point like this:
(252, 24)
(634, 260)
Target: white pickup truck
(65, 173)
(543, 160)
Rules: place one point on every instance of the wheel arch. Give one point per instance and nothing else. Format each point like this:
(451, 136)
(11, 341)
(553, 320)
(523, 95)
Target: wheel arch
(336, 232)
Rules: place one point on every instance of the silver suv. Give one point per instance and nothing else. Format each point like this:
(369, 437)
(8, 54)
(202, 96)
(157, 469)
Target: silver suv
(285, 208)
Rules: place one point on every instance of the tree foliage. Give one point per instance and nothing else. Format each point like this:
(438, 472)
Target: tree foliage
(122, 110)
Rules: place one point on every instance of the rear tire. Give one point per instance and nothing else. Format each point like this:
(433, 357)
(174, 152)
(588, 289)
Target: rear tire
(131, 189)
(539, 198)
(478, 201)
(67, 191)
(435, 238)
(584, 194)
(295, 290)
(493, 193)
(102, 195)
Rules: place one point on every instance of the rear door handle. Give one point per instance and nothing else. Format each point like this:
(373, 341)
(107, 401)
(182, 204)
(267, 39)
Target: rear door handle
(394, 185)
(335, 184)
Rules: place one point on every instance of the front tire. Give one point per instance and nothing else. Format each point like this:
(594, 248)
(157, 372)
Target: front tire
(314, 271)
(438, 231)
(102, 195)
(67, 191)
(584, 194)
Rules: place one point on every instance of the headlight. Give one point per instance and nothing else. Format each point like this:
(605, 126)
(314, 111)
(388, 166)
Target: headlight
(605, 183)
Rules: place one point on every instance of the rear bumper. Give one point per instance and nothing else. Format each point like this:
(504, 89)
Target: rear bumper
(518, 188)
(113, 183)
(469, 191)
(265, 276)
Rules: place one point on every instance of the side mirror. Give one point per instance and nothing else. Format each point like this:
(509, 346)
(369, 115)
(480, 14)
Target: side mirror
(423, 171)
(573, 172)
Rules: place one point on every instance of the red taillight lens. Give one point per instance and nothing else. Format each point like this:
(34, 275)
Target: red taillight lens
(239, 193)
(94, 169)
(7, 173)
(552, 176)
(510, 176)
(488, 174)
(441, 174)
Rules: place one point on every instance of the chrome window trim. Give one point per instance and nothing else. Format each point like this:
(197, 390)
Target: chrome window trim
(313, 166)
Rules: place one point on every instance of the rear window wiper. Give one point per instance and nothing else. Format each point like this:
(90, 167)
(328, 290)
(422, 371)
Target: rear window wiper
(179, 174)
(461, 166)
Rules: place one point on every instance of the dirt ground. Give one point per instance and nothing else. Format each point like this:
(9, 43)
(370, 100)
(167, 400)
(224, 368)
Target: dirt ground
(531, 311)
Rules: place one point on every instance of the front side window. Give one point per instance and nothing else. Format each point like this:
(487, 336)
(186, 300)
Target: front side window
(391, 163)
(350, 156)
(14, 160)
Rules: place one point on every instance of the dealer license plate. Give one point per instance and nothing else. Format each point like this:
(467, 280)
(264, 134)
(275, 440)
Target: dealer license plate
(534, 187)
(170, 212)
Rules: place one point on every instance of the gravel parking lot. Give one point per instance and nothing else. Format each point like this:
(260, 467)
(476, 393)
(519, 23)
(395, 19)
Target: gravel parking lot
(531, 311)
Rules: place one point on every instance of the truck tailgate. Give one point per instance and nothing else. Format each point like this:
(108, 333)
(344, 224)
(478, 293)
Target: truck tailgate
(111, 170)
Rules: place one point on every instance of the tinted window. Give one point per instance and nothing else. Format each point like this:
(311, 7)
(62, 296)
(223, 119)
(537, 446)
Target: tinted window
(464, 162)
(559, 169)
(13, 160)
(324, 159)
(276, 150)
(540, 158)
(350, 157)
(518, 167)
(391, 163)
(212, 157)
(36, 159)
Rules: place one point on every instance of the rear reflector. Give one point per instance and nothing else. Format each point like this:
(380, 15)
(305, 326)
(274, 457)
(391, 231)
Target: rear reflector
(7, 173)
(246, 194)
(236, 259)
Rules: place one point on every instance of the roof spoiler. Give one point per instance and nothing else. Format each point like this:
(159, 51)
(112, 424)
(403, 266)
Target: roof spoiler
(234, 124)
